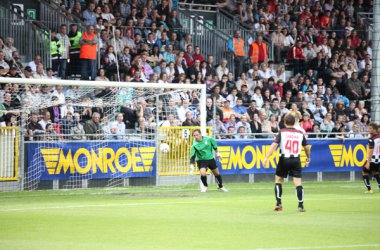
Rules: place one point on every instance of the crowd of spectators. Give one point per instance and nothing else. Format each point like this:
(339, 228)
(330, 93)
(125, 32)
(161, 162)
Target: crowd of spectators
(143, 41)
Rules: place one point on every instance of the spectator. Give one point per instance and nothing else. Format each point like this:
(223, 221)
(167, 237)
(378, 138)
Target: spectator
(222, 69)
(298, 58)
(257, 97)
(74, 37)
(239, 108)
(33, 64)
(39, 74)
(355, 132)
(113, 134)
(278, 40)
(236, 47)
(355, 90)
(67, 123)
(241, 133)
(45, 119)
(258, 52)
(50, 133)
(88, 43)
(9, 49)
(307, 123)
(120, 126)
(89, 15)
(218, 126)
(227, 111)
(189, 121)
(13, 72)
(64, 51)
(182, 111)
(92, 127)
(244, 123)
(34, 128)
(316, 132)
(4, 66)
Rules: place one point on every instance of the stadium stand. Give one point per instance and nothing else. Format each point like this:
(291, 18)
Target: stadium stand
(323, 43)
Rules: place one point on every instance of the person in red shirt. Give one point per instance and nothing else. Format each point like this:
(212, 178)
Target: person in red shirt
(305, 14)
(197, 54)
(355, 40)
(325, 21)
(298, 58)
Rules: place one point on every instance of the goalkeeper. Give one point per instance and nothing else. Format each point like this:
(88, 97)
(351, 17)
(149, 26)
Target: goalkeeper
(202, 151)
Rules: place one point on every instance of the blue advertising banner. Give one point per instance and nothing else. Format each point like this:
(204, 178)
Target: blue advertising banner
(97, 160)
(246, 157)
(92, 160)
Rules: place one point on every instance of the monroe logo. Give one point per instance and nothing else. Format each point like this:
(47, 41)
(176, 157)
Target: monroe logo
(104, 160)
(249, 157)
(351, 156)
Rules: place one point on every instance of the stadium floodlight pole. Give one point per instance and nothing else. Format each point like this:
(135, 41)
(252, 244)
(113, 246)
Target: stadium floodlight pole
(375, 86)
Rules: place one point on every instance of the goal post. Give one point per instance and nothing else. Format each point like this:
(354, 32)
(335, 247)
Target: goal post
(61, 157)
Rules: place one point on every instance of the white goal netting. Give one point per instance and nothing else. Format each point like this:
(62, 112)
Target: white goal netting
(107, 134)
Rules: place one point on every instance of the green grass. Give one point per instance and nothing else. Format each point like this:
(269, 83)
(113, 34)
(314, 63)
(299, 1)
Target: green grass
(338, 216)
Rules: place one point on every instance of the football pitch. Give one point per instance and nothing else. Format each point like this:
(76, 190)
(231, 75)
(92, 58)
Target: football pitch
(338, 216)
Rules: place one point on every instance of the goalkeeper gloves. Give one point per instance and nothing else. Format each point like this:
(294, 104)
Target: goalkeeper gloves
(218, 157)
(191, 168)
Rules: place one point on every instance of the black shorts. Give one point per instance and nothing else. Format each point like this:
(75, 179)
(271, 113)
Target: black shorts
(211, 164)
(373, 167)
(289, 166)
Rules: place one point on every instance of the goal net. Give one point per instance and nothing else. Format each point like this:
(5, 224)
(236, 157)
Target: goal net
(82, 134)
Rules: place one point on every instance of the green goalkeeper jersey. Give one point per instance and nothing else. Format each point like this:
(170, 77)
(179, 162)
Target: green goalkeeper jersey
(203, 150)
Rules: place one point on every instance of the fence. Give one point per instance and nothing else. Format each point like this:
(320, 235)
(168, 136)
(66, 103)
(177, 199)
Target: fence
(211, 40)
(229, 23)
(52, 16)
(22, 29)
(9, 152)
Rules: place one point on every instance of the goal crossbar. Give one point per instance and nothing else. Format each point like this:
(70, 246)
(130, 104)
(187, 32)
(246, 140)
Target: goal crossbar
(102, 83)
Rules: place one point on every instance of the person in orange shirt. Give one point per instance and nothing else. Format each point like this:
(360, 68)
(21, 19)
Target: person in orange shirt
(88, 53)
(258, 52)
(236, 46)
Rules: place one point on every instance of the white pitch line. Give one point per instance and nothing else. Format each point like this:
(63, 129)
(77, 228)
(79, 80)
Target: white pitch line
(321, 247)
(65, 193)
(106, 205)
(169, 203)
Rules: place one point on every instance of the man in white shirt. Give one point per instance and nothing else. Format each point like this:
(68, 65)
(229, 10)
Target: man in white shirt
(182, 110)
(65, 41)
(39, 74)
(33, 64)
(319, 111)
(58, 92)
(120, 125)
(243, 123)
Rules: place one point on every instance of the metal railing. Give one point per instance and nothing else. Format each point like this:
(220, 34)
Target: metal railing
(52, 16)
(199, 7)
(229, 23)
(368, 21)
(29, 38)
(206, 36)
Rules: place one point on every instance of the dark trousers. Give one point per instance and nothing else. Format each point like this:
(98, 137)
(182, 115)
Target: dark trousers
(62, 68)
(238, 63)
(298, 66)
(74, 67)
(88, 69)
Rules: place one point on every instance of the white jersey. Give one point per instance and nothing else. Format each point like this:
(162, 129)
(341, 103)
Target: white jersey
(374, 143)
(291, 142)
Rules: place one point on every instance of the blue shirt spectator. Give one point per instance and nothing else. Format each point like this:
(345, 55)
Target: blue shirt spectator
(89, 15)
(239, 108)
